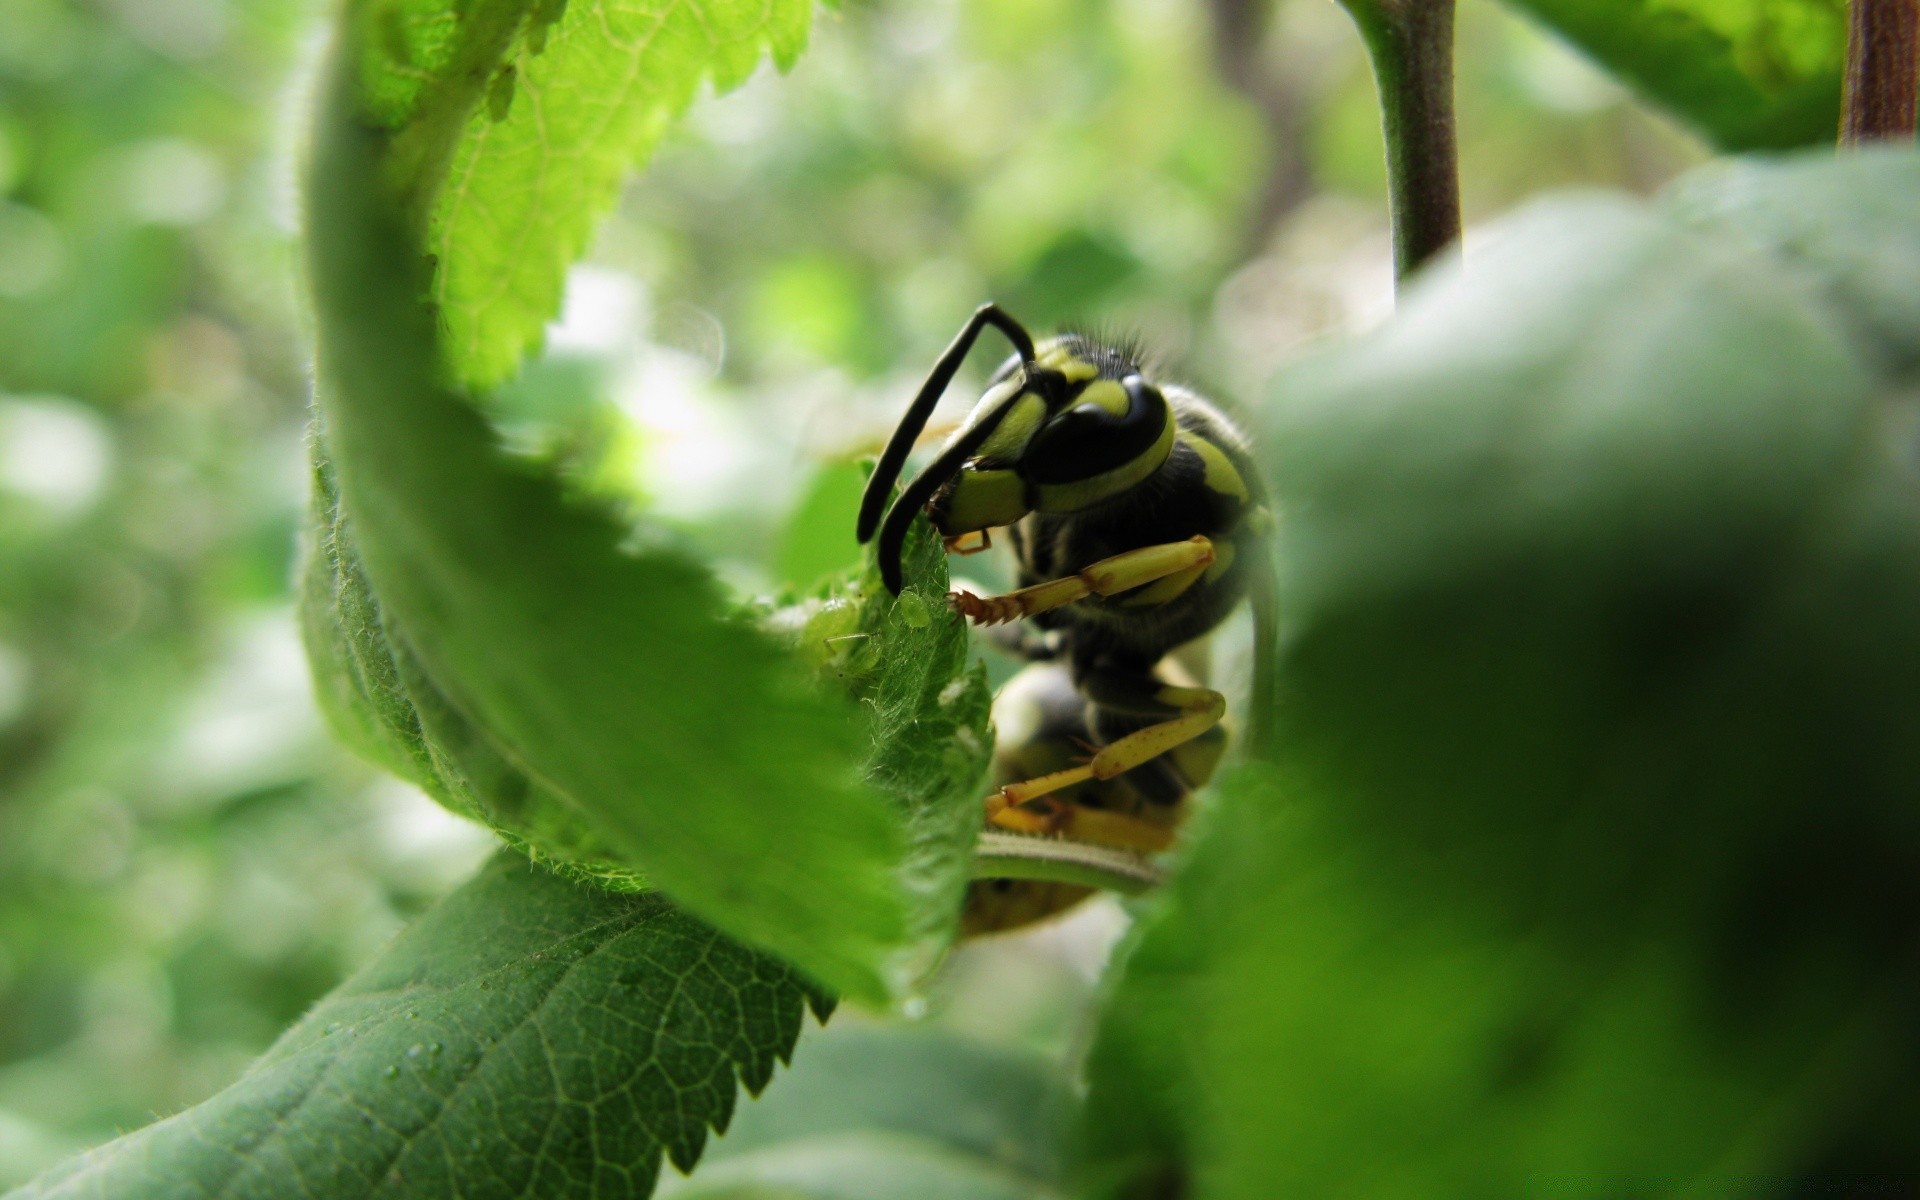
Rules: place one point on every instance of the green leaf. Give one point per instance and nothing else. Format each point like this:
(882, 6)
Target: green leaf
(905, 660)
(599, 667)
(1588, 850)
(1748, 74)
(583, 91)
(885, 1112)
(815, 544)
(1843, 224)
(527, 1037)
(382, 703)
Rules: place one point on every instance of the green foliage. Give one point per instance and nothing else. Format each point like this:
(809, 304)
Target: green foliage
(905, 659)
(1589, 833)
(874, 1114)
(1579, 851)
(582, 91)
(1750, 74)
(596, 1032)
(381, 700)
(692, 744)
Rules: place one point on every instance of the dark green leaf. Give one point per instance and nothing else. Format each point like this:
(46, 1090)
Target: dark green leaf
(693, 745)
(528, 1037)
(1748, 74)
(1588, 850)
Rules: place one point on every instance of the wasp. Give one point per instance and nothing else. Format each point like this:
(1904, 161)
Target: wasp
(1136, 515)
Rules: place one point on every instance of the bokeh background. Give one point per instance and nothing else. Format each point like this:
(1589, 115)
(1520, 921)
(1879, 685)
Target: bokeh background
(186, 862)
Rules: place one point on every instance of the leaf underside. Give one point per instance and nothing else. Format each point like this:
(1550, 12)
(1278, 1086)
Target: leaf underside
(575, 682)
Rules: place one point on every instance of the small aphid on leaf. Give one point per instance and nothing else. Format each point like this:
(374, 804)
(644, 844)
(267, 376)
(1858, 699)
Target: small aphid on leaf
(1137, 518)
(913, 610)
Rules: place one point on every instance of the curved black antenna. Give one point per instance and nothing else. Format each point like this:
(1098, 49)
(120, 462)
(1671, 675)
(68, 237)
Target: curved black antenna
(893, 533)
(887, 472)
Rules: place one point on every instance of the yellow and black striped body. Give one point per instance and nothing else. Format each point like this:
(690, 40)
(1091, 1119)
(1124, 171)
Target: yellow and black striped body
(1137, 517)
(1206, 486)
(1192, 476)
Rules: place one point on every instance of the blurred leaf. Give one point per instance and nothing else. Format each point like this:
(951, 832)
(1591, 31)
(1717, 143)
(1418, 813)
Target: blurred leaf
(813, 302)
(860, 1166)
(1749, 74)
(581, 92)
(874, 1114)
(816, 543)
(596, 1031)
(1075, 273)
(1844, 224)
(693, 745)
(1589, 850)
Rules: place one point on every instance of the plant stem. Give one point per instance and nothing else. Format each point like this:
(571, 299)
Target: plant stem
(1020, 856)
(1411, 44)
(1883, 68)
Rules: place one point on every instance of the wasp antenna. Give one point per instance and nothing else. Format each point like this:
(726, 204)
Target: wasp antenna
(887, 471)
(953, 456)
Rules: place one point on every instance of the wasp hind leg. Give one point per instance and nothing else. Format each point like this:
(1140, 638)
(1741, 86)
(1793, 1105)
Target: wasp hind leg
(1050, 815)
(1122, 572)
(1183, 714)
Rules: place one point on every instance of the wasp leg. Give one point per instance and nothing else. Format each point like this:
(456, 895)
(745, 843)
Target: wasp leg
(1104, 578)
(1050, 815)
(1197, 709)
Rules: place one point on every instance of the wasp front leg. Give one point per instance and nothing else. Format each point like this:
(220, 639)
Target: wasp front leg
(1109, 576)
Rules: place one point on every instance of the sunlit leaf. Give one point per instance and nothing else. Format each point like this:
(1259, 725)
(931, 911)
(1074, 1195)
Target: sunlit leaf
(582, 93)
(1748, 74)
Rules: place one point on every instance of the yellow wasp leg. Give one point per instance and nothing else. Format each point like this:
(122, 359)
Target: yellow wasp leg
(1104, 578)
(1082, 824)
(1200, 710)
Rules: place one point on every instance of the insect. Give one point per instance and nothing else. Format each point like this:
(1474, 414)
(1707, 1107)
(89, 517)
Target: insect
(1136, 515)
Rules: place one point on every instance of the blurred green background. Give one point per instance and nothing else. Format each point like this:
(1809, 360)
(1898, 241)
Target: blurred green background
(186, 863)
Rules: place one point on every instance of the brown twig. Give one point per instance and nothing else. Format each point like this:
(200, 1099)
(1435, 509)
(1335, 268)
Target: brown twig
(1883, 68)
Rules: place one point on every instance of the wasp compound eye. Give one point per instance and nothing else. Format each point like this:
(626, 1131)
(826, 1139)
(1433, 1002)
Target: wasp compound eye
(1110, 424)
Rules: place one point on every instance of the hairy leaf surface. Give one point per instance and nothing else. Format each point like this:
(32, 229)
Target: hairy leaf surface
(383, 703)
(529, 1036)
